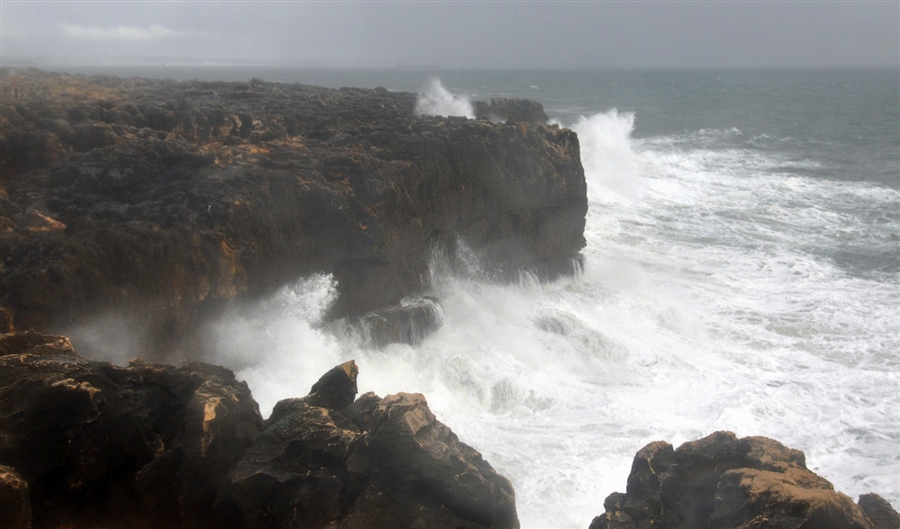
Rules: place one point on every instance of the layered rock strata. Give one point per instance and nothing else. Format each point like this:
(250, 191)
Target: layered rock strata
(163, 201)
(88, 444)
(722, 482)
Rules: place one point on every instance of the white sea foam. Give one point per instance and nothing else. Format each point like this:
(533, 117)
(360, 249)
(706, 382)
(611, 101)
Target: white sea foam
(438, 101)
(704, 304)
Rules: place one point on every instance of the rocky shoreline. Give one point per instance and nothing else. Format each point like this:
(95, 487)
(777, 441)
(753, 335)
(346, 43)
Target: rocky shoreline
(167, 202)
(87, 444)
(170, 202)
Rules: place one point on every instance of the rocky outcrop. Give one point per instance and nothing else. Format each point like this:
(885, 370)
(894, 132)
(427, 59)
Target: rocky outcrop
(88, 444)
(395, 466)
(502, 109)
(101, 446)
(165, 201)
(722, 482)
(325, 460)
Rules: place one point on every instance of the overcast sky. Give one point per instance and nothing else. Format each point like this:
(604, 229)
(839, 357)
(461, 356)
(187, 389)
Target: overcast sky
(459, 34)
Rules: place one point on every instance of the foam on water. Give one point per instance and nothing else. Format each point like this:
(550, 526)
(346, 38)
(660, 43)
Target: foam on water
(710, 299)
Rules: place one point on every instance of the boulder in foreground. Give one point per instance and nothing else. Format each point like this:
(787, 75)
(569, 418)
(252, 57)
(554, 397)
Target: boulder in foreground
(325, 462)
(722, 482)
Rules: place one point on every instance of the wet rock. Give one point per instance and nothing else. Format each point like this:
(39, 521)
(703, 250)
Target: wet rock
(145, 445)
(375, 463)
(722, 482)
(879, 512)
(409, 322)
(406, 444)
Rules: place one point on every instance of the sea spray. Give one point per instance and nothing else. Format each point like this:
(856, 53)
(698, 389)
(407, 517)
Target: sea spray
(438, 101)
(712, 297)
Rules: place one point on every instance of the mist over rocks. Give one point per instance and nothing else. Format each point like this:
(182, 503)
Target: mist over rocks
(722, 482)
(88, 444)
(163, 202)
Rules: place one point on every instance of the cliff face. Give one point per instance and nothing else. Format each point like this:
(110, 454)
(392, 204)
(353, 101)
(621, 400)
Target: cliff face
(173, 198)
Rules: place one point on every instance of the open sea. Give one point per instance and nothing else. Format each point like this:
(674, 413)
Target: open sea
(742, 272)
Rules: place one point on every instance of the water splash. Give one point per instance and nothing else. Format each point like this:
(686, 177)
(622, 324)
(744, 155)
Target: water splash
(438, 101)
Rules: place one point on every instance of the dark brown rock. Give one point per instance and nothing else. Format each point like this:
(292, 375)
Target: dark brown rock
(879, 512)
(35, 343)
(88, 444)
(722, 482)
(376, 463)
(15, 501)
(174, 199)
(408, 445)
(100, 445)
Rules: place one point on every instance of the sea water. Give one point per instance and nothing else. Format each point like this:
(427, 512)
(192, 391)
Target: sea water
(742, 272)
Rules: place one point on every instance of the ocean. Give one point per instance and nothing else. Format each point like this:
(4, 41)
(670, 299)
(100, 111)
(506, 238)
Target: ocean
(742, 272)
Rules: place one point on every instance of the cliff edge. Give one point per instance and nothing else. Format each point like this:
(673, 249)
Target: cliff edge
(164, 200)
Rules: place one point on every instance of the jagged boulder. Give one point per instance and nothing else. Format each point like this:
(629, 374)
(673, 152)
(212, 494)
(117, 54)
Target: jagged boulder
(101, 445)
(374, 463)
(722, 482)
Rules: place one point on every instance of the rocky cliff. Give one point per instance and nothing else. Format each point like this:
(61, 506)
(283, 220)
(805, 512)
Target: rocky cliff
(88, 444)
(167, 200)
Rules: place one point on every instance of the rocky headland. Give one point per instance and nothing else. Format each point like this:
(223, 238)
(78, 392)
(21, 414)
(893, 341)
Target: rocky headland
(168, 201)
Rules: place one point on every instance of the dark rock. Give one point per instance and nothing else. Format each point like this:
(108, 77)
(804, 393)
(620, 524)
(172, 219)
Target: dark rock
(879, 512)
(376, 463)
(519, 110)
(722, 482)
(175, 199)
(409, 322)
(35, 343)
(294, 474)
(408, 445)
(99, 445)
(15, 503)
(88, 444)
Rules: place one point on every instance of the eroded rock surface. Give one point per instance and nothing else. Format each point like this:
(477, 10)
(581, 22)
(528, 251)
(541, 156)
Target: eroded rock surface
(88, 444)
(324, 462)
(722, 482)
(105, 446)
(163, 201)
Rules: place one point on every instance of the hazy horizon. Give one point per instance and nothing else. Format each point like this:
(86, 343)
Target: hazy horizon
(454, 35)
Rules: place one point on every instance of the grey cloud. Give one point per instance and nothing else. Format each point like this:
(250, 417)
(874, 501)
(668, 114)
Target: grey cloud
(465, 34)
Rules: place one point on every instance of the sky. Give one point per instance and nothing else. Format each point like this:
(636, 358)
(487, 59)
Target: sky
(456, 34)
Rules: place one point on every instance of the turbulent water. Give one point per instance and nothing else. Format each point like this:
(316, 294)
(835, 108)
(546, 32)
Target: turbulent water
(742, 272)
